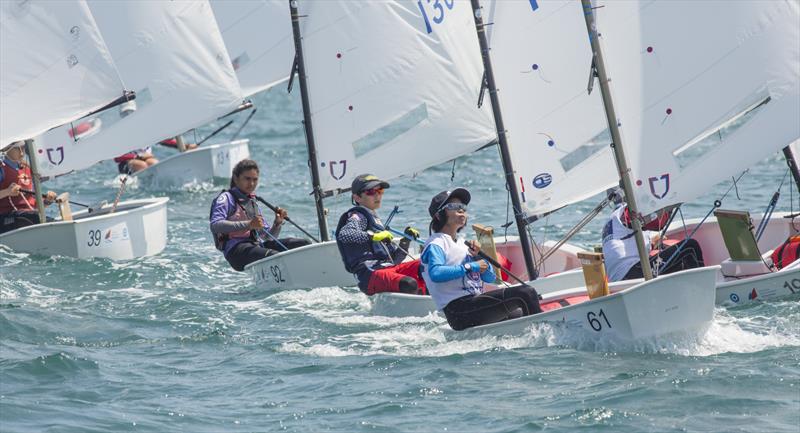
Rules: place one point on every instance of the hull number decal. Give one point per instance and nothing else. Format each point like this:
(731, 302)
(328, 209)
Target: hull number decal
(594, 320)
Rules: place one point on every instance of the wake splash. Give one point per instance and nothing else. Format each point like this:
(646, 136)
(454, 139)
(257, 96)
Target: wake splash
(353, 331)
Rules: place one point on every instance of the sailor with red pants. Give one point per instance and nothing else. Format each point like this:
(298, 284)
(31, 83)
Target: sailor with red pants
(17, 209)
(366, 246)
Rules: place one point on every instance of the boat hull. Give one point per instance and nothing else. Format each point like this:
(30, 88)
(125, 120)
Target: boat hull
(138, 228)
(680, 303)
(315, 265)
(202, 164)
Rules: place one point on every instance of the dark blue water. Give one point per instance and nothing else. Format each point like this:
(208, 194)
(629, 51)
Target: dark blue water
(180, 342)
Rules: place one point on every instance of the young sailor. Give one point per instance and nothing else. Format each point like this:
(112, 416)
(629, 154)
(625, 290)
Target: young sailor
(238, 226)
(622, 257)
(455, 277)
(366, 246)
(18, 209)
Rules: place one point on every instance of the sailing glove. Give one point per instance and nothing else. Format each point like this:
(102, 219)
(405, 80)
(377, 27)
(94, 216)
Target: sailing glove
(411, 231)
(382, 236)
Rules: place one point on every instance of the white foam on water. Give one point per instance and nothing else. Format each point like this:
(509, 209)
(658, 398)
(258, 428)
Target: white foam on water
(747, 334)
(116, 182)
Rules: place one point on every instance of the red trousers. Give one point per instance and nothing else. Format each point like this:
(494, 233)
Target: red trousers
(388, 279)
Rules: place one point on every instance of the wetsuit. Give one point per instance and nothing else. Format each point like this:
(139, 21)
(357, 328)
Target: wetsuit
(230, 218)
(378, 266)
(456, 284)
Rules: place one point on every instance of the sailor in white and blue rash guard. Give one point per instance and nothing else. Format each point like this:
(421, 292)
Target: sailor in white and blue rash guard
(455, 277)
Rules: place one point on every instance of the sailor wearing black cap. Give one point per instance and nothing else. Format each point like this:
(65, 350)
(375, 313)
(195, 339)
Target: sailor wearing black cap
(366, 246)
(455, 277)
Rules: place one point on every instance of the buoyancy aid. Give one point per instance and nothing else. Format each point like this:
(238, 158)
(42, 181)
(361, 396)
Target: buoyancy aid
(244, 209)
(787, 252)
(353, 254)
(22, 177)
(125, 158)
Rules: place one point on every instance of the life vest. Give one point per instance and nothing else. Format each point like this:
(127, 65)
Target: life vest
(619, 245)
(353, 254)
(22, 177)
(787, 253)
(132, 155)
(244, 209)
(125, 158)
(456, 254)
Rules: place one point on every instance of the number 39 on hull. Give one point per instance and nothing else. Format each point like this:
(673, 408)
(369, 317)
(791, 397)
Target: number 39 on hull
(137, 228)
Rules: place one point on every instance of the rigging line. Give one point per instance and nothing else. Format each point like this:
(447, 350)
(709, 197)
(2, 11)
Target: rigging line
(453, 171)
(508, 223)
(773, 202)
(585, 220)
(717, 204)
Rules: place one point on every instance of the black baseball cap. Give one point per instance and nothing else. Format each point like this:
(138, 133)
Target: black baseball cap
(440, 199)
(365, 182)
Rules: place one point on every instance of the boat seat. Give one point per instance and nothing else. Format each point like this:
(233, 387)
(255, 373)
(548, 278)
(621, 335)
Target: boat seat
(737, 233)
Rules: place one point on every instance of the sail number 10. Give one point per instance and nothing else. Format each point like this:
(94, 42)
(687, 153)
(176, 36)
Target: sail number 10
(594, 320)
(438, 12)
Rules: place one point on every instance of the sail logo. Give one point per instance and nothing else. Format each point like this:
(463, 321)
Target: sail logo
(58, 151)
(332, 168)
(656, 181)
(542, 180)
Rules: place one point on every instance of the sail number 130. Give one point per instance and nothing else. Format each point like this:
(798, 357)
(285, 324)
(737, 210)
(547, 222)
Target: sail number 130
(594, 320)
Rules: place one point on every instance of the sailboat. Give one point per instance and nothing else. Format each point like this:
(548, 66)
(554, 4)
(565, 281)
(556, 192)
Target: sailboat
(167, 33)
(42, 90)
(369, 100)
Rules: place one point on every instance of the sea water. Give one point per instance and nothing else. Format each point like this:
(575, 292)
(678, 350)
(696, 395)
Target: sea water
(180, 342)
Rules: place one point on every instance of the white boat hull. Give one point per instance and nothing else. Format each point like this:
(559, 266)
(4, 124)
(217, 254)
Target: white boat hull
(202, 164)
(311, 266)
(677, 304)
(739, 291)
(138, 228)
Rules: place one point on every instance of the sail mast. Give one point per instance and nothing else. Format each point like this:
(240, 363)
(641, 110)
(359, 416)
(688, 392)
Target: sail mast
(511, 183)
(309, 130)
(616, 139)
(37, 183)
(792, 163)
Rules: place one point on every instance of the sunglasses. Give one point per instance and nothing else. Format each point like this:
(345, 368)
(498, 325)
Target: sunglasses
(373, 191)
(455, 207)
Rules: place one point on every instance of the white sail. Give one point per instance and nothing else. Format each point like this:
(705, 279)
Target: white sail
(682, 70)
(54, 67)
(541, 59)
(393, 86)
(172, 55)
(258, 36)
